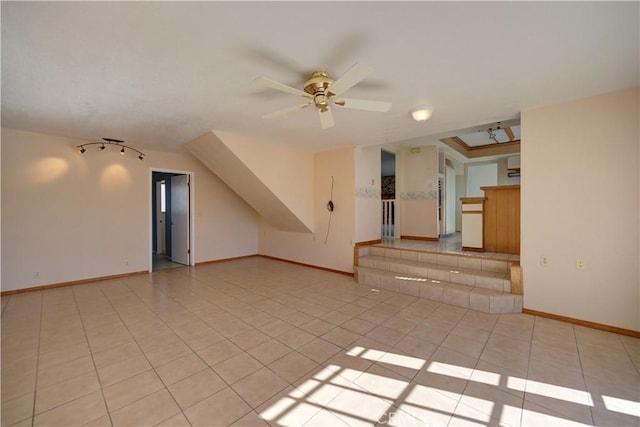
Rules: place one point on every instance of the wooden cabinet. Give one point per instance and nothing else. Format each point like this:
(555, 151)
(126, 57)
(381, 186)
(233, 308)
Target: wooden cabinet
(502, 219)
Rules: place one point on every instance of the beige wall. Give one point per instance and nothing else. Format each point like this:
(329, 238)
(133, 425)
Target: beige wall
(580, 200)
(337, 252)
(503, 177)
(368, 215)
(418, 188)
(71, 217)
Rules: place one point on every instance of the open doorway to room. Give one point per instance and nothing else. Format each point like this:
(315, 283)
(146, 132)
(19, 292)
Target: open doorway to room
(447, 199)
(388, 194)
(170, 219)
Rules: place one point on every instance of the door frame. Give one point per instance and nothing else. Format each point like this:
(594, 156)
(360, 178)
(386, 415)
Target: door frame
(192, 217)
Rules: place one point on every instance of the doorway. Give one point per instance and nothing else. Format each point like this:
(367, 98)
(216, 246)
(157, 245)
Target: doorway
(449, 198)
(388, 194)
(170, 219)
(446, 199)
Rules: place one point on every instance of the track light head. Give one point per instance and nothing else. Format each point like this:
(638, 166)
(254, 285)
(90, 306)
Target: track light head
(141, 156)
(122, 151)
(102, 147)
(82, 150)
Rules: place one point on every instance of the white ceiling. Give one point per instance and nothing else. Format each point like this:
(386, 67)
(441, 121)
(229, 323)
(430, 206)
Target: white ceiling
(158, 74)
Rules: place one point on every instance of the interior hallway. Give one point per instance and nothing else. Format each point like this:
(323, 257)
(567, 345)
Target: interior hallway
(262, 342)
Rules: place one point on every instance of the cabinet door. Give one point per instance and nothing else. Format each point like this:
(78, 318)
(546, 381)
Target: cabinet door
(502, 220)
(490, 221)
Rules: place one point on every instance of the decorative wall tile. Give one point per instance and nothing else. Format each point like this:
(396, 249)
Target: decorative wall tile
(367, 193)
(420, 195)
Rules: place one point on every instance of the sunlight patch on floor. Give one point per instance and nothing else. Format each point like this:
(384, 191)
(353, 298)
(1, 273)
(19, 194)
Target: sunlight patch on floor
(622, 406)
(551, 390)
(450, 370)
(390, 358)
(377, 398)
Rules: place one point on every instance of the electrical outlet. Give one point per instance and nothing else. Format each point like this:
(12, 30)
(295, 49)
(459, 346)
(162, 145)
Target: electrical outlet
(580, 265)
(126, 262)
(544, 260)
(36, 274)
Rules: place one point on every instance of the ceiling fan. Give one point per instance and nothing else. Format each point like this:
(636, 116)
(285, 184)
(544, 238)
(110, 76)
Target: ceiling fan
(322, 90)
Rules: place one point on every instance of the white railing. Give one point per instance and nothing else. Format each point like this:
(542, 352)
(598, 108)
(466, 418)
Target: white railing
(388, 219)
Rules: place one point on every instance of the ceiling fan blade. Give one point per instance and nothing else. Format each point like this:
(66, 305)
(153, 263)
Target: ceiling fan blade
(286, 111)
(349, 79)
(281, 87)
(326, 118)
(363, 104)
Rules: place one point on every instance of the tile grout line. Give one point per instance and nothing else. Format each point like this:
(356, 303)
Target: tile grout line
(292, 349)
(458, 402)
(193, 351)
(84, 329)
(575, 337)
(524, 393)
(133, 339)
(35, 389)
(254, 409)
(153, 368)
(410, 383)
(5, 305)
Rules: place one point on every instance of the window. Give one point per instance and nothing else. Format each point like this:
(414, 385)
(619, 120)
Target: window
(163, 197)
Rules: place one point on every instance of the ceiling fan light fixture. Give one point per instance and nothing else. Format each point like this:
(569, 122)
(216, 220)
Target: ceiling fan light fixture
(422, 114)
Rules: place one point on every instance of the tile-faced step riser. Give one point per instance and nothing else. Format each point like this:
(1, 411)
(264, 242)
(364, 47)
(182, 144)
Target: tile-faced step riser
(453, 276)
(474, 300)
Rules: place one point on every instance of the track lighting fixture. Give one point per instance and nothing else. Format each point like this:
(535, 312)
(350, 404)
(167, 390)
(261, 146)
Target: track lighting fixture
(492, 133)
(110, 141)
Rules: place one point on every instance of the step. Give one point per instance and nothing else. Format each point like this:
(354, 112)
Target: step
(429, 268)
(477, 262)
(471, 297)
(473, 281)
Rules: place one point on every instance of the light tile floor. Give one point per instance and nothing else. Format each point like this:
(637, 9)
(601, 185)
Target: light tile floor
(260, 342)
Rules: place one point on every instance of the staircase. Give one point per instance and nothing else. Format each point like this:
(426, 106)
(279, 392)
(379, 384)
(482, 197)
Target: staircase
(468, 281)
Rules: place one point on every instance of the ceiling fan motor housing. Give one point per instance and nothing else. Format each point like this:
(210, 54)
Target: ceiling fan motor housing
(317, 86)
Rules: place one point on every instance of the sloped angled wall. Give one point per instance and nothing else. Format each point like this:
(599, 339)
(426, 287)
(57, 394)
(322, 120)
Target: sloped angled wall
(276, 181)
